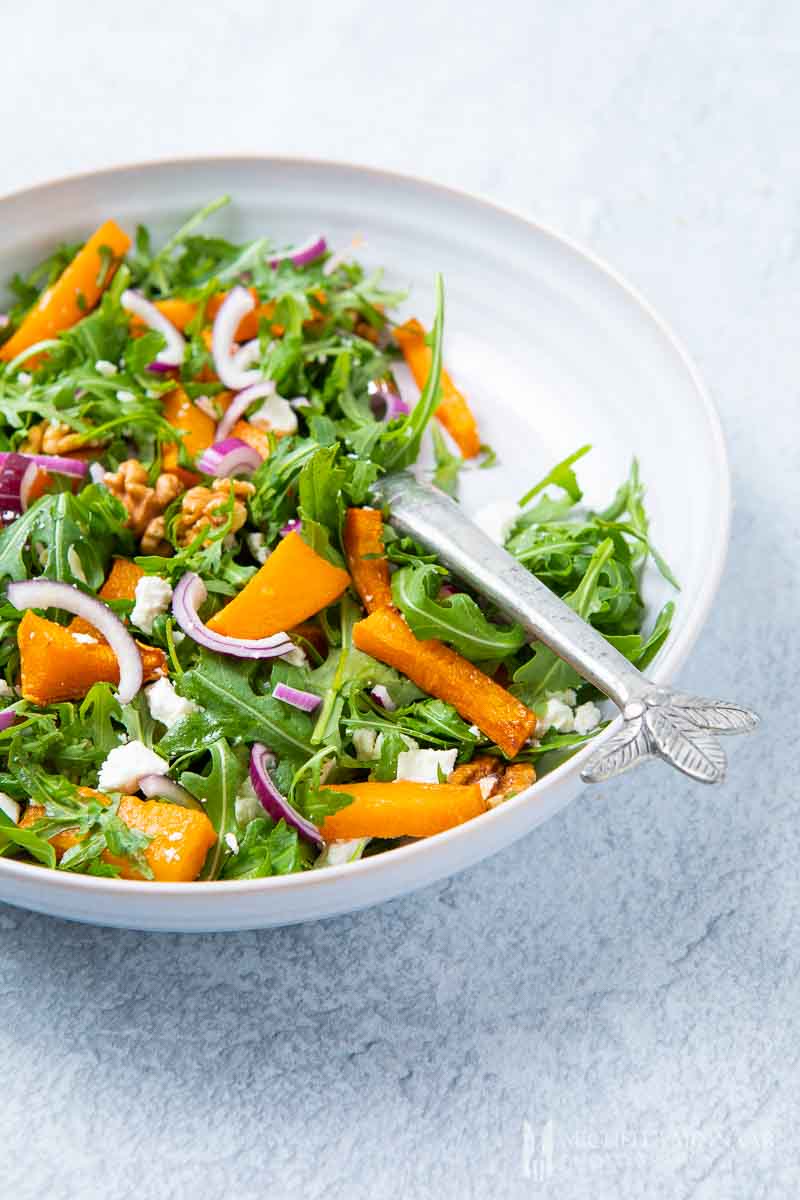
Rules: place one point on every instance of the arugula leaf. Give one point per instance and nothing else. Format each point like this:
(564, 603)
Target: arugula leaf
(217, 792)
(456, 620)
(223, 686)
(448, 465)
(561, 476)
(11, 836)
(266, 849)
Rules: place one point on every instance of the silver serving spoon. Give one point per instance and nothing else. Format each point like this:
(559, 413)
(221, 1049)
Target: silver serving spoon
(657, 722)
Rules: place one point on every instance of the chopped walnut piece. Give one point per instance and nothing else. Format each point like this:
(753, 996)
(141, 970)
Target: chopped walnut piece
(145, 504)
(208, 508)
(52, 437)
(507, 778)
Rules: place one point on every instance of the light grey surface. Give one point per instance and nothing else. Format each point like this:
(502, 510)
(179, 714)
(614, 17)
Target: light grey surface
(629, 971)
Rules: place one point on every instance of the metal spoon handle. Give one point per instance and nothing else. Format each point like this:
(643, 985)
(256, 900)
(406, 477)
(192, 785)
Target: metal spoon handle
(657, 721)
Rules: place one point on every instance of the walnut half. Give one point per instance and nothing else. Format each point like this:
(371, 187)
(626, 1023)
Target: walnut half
(52, 437)
(208, 508)
(145, 504)
(506, 778)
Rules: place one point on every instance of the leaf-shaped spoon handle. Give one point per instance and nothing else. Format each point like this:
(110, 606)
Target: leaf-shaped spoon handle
(657, 722)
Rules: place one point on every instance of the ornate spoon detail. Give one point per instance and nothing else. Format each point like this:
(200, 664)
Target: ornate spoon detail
(657, 722)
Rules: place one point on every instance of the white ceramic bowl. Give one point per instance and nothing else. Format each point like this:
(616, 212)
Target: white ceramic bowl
(553, 349)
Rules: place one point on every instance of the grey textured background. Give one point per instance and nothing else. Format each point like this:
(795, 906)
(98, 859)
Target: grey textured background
(630, 971)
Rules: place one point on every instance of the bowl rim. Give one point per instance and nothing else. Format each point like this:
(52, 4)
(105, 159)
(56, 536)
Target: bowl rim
(675, 652)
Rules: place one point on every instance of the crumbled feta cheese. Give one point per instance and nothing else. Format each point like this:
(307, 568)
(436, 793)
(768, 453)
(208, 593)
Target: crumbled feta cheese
(275, 414)
(10, 807)
(587, 717)
(486, 784)
(425, 766)
(152, 596)
(368, 742)
(126, 765)
(476, 733)
(557, 715)
(566, 697)
(296, 657)
(85, 639)
(232, 843)
(381, 694)
(6, 689)
(125, 397)
(166, 705)
(257, 546)
(247, 805)
(24, 378)
(364, 741)
(104, 367)
(75, 565)
(497, 519)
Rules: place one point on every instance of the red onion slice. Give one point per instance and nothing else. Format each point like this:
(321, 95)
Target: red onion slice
(291, 527)
(47, 593)
(230, 366)
(53, 463)
(12, 477)
(7, 718)
(189, 595)
(385, 400)
(380, 695)
(161, 785)
(239, 405)
(300, 256)
(173, 353)
(305, 701)
(26, 483)
(278, 807)
(229, 457)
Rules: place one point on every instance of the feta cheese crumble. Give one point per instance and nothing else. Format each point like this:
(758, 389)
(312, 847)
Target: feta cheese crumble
(166, 705)
(24, 378)
(125, 397)
(104, 367)
(232, 843)
(6, 689)
(557, 715)
(587, 717)
(425, 766)
(126, 765)
(247, 805)
(257, 547)
(152, 598)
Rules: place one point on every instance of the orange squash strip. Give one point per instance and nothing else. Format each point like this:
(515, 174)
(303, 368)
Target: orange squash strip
(181, 312)
(55, 666)
(453, 411)
(254, 437)
(363, 547)
(120, 584)
(74, 293)
(182, 837)
(443, 673)
(402, 809)
(197, 427)
(294, 583)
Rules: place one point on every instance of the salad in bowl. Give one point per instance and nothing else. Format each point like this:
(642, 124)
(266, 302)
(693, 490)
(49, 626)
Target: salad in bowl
(219, 660)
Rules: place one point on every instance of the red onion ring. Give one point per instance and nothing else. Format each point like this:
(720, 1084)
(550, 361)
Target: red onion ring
(173, 353)
(381, 696)
(187, 598)
(229, 457)
(278, 807)
(305, 701)
(162, 785)
(14, 469)
(291, 527)
(53, 463)
(7, 718)
(384, 397)
(229, 365)
(240, 404)
(47, 593)
(300, 256)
